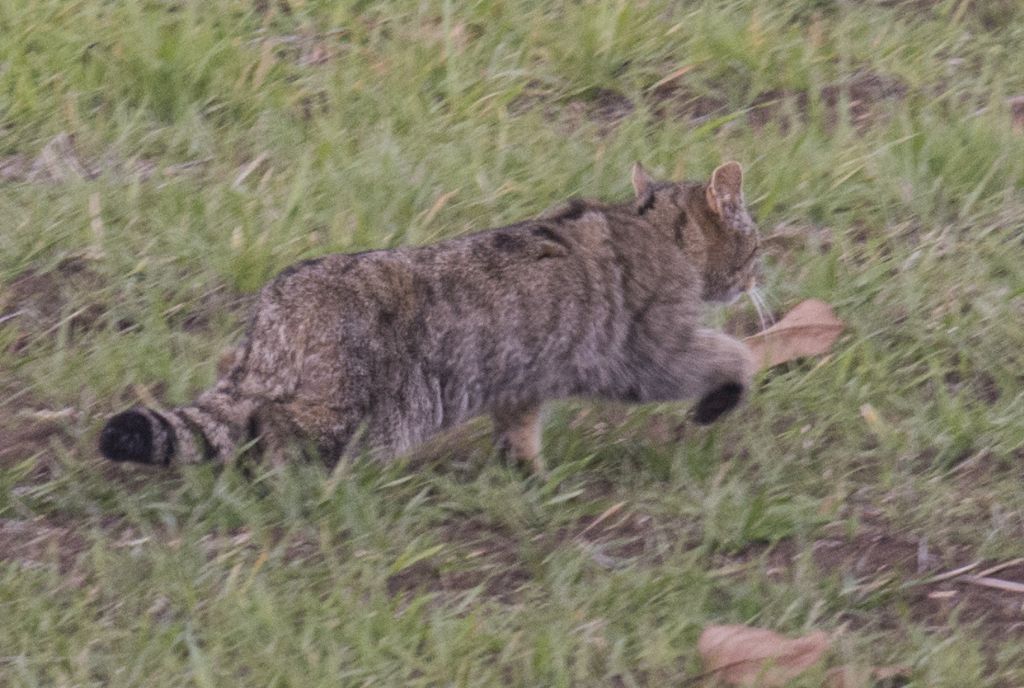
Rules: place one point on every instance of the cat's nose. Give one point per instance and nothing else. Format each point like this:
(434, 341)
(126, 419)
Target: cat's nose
(751, 283)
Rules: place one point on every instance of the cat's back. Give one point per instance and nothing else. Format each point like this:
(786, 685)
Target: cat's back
(532, 255)
(496, 289)
(572, 270)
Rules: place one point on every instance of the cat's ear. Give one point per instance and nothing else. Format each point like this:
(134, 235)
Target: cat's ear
(642, 182)
(726, 187)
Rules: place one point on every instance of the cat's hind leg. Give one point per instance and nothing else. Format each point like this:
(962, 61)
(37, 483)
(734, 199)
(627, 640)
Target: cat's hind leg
(517, 436)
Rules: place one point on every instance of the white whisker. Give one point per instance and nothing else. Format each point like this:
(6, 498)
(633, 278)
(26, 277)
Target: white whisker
(764, 304)
(752, 295)
(765, 301)
(763, 311)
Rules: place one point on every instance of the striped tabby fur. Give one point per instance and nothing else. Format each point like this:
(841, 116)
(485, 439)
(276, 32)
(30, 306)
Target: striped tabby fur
(378, 351)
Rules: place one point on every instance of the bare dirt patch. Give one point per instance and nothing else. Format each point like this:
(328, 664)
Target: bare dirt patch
(892, 574)
(911, 5)
(889, 574)
(199, 314)
(615, 540)
(680, 101)
(38, 543)
(306, 49)
(603, 107)
(995, 610)
(1017, 114)
(27, 432)
(489, 557)
(37, 302)
(28, 426)
(60, 160)
(867, 94)
(872, 555)
(491, 565)
(864, 99)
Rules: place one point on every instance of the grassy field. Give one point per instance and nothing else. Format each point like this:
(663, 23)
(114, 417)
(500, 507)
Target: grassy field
(159, 160)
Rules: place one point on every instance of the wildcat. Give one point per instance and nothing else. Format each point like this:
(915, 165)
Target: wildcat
(379, 351)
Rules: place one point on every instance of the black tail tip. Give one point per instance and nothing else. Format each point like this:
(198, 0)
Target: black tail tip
(717, 403)
(128, 436)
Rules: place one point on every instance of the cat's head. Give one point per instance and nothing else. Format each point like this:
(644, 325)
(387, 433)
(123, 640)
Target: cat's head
(711, 223)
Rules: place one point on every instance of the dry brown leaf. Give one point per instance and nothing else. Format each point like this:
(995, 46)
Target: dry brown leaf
(810, 329)
(746, 656)
(850, 676)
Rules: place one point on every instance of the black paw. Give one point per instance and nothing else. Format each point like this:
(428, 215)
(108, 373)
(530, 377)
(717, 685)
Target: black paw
(717, 402)
(128, 436)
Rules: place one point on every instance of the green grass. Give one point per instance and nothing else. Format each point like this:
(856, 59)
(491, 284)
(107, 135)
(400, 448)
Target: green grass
(394, 123)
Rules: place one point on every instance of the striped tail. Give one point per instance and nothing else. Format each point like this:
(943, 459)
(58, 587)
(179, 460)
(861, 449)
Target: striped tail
(217, 426)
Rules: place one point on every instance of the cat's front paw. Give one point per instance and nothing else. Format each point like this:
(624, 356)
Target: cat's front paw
(718, 402)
